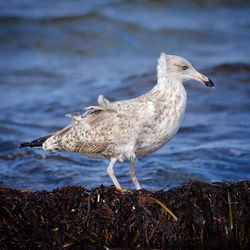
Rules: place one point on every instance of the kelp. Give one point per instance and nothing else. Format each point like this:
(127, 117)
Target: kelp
(195, 215)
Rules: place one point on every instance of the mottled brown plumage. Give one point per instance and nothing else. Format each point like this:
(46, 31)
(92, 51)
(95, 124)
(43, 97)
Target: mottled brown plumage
(126, 130)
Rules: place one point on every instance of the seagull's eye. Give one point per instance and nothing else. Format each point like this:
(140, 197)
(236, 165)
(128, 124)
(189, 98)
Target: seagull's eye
(184, 67)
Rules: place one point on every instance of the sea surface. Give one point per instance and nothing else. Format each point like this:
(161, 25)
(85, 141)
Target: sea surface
(56, 57)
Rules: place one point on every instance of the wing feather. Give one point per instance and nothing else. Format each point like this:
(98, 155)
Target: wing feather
(92, 148)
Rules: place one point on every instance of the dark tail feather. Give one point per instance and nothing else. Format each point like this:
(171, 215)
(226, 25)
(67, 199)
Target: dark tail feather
(36, 143)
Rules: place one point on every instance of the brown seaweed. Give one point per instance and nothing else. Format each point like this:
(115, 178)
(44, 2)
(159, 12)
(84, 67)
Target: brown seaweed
(195, 215)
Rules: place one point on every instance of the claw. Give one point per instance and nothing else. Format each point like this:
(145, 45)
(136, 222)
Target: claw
(121, 190)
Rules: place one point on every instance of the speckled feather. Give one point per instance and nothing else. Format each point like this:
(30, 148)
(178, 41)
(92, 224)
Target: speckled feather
(126, 130)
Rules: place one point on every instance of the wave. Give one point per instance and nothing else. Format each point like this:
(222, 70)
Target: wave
(231, 67)
(67, 11)
(46, 19)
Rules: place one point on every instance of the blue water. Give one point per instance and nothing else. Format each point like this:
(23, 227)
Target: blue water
(56, 57)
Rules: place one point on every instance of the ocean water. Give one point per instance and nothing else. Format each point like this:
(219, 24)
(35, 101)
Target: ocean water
(56, 57)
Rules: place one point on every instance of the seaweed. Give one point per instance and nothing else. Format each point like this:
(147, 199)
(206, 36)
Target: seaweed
(197, 215)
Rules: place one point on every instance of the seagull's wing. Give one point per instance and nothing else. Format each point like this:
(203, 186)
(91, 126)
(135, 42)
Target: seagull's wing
(104, 105)
(98, 131)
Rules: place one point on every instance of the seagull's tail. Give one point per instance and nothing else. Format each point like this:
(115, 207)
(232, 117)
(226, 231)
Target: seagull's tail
(51, 142)
(36, 143)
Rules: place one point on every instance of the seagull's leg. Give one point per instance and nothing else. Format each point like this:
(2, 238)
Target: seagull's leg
(132, 174)
(111, 173)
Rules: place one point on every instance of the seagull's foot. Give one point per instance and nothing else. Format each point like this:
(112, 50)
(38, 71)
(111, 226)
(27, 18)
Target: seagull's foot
(25, 191)
(122, 190)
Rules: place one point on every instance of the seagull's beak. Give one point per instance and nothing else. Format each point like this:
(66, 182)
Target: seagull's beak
(203, 79)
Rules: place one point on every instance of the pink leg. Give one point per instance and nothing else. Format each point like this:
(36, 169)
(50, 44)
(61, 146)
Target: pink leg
(111, 173)
(132, 174)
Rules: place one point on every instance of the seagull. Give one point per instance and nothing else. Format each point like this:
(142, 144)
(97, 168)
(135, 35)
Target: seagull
(129, 129)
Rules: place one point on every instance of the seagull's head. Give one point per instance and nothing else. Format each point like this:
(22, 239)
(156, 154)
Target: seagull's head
(180, 69)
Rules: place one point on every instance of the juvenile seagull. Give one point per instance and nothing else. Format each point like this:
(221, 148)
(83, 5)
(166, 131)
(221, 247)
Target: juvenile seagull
(126, 130)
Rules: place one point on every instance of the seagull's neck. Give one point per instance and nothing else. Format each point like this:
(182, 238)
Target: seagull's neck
(167, 86)
(165, 81)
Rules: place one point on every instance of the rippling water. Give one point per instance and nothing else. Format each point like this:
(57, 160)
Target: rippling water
(56, 57)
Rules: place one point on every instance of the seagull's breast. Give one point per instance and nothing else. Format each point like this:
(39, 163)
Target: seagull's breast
(169, 110)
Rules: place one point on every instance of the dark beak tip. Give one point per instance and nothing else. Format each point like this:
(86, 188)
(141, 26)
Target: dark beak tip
(209, 83)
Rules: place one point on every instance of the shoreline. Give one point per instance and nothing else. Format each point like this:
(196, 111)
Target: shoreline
(196, 215)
